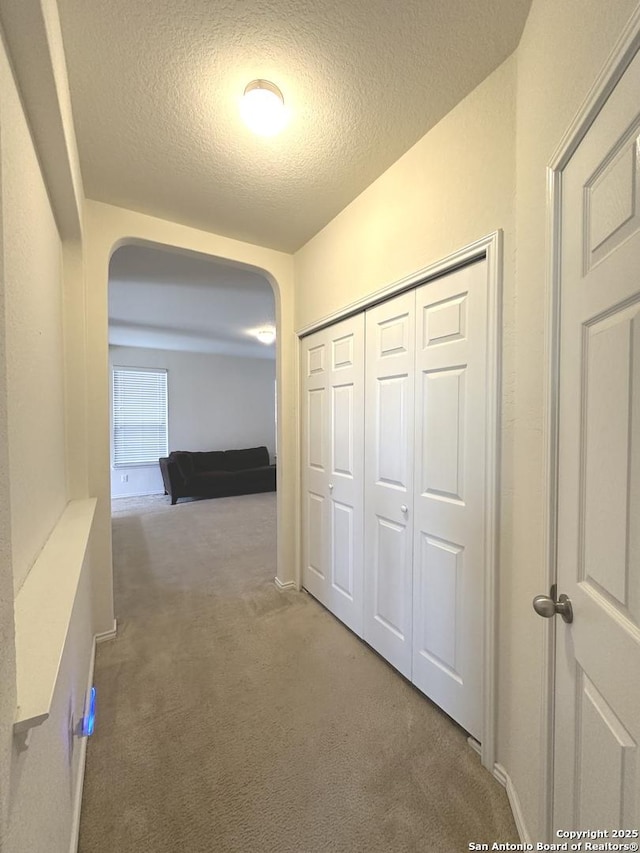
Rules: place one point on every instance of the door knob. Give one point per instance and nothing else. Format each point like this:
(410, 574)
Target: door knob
(330, 487)
(547, 606)
(404, 509)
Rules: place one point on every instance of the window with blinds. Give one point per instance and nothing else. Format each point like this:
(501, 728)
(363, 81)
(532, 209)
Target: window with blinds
(140, 432)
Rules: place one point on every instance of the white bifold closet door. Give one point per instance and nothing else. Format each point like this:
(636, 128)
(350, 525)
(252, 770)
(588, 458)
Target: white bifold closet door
(449, 492)
(394, 482)
(389, 451)
(333, 428)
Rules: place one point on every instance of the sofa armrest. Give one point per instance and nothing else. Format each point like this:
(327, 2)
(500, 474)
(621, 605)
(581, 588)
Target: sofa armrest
(171, 478)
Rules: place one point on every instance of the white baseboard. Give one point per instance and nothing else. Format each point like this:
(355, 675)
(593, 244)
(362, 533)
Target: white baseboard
(77, 798)
(475, 746)
(108, 635)
(284, 585)
(503, 777)
(115, 497)
(514, 801)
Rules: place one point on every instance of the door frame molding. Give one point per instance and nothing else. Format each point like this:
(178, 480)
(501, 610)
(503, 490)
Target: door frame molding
(491, 249)
(616, 64)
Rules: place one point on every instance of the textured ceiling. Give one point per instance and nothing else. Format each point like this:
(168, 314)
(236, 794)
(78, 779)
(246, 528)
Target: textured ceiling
(155, 86)
(168, 300)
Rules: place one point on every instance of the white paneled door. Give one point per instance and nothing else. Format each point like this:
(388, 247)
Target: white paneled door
(333, 428)
(389, 436)
(597, 723)
(396, 520)
(449, 502)
(315, 473)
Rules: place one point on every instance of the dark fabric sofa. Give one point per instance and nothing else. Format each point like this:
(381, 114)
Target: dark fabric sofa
(217, 473)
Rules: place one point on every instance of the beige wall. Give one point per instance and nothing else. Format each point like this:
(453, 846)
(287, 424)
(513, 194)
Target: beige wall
(37, 784)
(7, 636)
(453, 187)
(562, 50)
(33, 305)
(483, 168)
(44, 778)
(34, 41)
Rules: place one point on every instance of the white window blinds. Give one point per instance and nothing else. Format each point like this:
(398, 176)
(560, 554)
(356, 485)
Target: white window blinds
(139, 415)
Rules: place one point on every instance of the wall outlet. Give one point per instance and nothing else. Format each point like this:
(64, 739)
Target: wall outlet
(124, 478)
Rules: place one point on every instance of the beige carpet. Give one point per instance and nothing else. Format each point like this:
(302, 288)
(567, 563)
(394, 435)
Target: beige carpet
(236, 718)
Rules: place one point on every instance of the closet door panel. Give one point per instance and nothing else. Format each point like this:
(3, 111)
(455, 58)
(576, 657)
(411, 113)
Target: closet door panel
(342, 438)
(342, 558)
(389, 593)
(389, 406)
(332, 481)
(315, 559)
(345, 484)
(316, 420)
(442, 400)
(315, 465)
(448, 596)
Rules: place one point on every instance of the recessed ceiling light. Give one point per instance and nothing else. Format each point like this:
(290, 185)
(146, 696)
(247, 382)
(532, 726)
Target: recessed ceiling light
(266, 336)
(262, 108)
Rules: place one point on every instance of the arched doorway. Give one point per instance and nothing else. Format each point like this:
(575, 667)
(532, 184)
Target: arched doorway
(107, 229)
(192, 366)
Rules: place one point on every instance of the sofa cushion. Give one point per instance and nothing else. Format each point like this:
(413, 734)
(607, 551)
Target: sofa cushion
(184, 463)
(212, 483)
(219, 483)
(240, 460)
(257, 476)
(205, 477)
(210, 460)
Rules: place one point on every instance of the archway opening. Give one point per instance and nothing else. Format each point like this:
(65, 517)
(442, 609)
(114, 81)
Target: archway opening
(192, 414)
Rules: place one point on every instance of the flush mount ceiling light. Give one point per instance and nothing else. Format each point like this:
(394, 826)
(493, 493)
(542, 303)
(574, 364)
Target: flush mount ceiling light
(262, 108)
(266, 336)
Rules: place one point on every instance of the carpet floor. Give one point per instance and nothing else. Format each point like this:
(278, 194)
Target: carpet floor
(236, 718)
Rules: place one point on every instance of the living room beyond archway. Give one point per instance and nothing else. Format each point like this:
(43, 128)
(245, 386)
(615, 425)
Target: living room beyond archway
(192, 362)
(193, 386)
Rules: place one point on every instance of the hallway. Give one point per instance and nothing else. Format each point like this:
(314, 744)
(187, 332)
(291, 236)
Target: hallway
(234, 717)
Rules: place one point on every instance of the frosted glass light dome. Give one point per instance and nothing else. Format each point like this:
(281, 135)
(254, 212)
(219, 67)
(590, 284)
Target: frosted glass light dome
(266, 336)
(262, 108)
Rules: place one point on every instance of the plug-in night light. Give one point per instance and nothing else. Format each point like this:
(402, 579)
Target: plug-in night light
(88, 722)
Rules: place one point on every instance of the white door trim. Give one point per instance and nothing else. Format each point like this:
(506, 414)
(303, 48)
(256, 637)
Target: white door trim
(623, 52)
(489, 247)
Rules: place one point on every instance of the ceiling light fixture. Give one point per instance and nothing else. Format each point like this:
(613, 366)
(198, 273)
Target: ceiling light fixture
(262, 108)
(266, 336)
